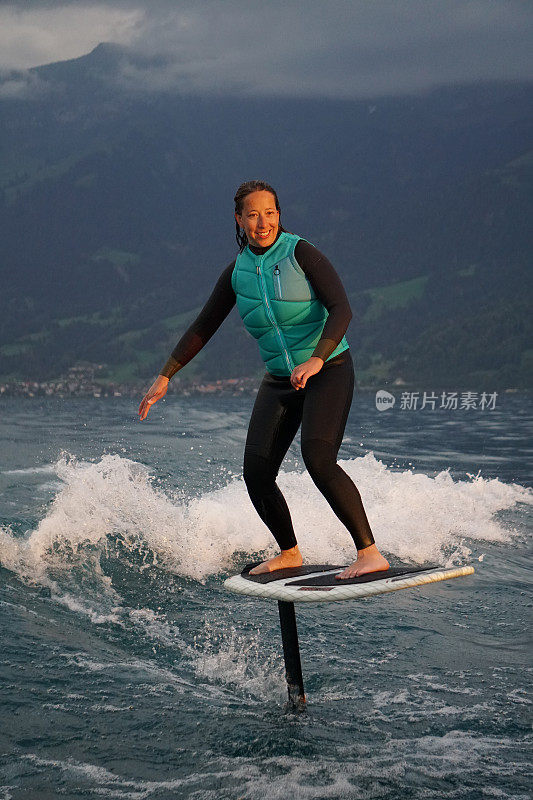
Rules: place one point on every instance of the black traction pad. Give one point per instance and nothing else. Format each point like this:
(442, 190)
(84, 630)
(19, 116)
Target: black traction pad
(328, 580)
(288, 572)
(331, 580)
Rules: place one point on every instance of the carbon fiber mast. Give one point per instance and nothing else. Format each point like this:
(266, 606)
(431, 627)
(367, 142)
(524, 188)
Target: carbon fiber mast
(291, 654)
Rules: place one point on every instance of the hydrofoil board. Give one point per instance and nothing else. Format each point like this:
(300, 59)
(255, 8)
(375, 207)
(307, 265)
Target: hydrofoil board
(315, 583)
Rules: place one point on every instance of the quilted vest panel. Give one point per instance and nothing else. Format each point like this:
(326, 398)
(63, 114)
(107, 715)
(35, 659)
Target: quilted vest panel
(278, 306)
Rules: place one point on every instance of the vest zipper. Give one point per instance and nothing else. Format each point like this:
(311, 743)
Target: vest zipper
(277, 281)
(272, 318)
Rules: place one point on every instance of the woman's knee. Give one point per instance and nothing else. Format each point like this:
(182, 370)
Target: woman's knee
(320, 459)
(258, 474)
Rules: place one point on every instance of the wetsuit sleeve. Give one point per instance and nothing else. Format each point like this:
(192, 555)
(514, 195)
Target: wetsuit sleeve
(210, 318)
(329, 289)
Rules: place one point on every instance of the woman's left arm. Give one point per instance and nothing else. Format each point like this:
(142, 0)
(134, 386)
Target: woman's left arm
(329, 289)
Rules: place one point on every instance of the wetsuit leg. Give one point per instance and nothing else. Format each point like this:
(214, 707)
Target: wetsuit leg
(327, 401)
(275, 419)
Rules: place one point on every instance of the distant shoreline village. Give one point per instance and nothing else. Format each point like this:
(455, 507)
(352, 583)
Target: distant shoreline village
(81, 381)
(70, 389)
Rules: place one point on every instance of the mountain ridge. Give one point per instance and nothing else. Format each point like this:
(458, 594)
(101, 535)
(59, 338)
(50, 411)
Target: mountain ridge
(113, 199)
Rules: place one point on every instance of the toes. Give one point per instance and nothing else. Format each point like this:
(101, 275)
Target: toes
(344, 577)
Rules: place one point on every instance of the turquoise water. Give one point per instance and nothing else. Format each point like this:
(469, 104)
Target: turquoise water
(128, 672)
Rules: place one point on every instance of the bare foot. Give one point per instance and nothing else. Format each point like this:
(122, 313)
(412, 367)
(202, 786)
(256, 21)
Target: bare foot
(288, 558)
(368, 560)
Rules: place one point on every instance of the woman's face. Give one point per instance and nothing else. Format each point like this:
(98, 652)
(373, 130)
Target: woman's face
(260, 218)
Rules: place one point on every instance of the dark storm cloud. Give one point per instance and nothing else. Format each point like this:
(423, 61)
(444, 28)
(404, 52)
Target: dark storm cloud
(324, 48)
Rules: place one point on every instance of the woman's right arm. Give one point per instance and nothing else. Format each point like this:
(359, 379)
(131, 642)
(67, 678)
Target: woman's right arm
(210, 318)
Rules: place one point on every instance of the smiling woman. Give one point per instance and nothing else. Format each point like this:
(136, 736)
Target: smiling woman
(257, 215)
(293, 303)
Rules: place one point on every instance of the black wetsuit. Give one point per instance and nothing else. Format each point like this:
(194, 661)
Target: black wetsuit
(321, 407)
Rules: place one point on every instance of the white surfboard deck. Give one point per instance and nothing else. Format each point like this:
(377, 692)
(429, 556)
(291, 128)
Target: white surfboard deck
(316, 583)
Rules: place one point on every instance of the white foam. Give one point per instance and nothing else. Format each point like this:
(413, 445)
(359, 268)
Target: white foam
(133, 671)
(219, 655)
(414, 517)
(357, 771)
(45, 469)
(235, 659)
(84, 607)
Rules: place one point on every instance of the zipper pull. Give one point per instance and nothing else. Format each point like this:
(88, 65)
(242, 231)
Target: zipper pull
(276, 270)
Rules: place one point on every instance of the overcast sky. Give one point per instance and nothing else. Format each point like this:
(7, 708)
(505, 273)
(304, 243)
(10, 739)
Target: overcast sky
(323, 48)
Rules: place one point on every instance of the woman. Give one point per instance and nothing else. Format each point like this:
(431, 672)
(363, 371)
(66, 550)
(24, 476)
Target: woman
(292, 301)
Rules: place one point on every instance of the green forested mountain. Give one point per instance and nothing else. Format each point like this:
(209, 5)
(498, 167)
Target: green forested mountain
(117, 219)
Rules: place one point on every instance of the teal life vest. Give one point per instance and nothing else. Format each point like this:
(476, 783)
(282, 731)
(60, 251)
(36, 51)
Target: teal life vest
(278, 305)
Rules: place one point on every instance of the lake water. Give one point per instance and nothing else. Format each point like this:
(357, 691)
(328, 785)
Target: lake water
(127, 671)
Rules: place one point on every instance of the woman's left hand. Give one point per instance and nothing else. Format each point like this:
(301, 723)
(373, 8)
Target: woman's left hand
(303, 372)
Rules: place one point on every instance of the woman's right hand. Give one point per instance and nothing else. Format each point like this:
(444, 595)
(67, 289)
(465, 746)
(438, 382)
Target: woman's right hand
(157, 390)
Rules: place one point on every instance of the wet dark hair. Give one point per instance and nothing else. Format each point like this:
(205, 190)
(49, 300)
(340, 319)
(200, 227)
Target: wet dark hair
(243, 191)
